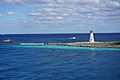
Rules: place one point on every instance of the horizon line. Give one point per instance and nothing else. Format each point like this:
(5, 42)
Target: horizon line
(58, 33)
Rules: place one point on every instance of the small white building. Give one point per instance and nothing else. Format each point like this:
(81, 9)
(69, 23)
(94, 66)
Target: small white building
(91, 39)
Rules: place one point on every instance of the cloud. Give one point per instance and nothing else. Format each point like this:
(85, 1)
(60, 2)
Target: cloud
(59, 17)
(13, 1)
(74, 11)
(115, 3)
(35, 14)
(67, 11)
(11, 13)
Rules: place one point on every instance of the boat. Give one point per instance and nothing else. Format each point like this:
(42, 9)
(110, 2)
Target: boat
(73, 37)
(7, 41)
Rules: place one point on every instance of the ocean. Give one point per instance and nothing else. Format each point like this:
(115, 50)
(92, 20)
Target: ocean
(56, 62)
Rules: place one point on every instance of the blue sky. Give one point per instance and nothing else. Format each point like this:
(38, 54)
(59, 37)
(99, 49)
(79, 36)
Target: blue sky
(59, 16)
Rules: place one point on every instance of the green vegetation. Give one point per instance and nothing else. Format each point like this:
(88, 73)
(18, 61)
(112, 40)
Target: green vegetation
(116, 43)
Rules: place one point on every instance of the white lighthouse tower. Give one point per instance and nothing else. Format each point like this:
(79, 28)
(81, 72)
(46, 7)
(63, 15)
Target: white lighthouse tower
(91, 39)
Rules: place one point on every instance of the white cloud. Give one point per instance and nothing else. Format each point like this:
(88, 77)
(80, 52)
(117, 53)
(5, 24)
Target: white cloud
(48, 9)
(66, 14)
(62, 10)
(59, 17)
(35, 14)
(25, 21)
(72, 11)
(11, 13)
(95, 1)
(14, 1)
(115, 3)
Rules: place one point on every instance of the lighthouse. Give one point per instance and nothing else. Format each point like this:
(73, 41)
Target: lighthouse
(91, 39)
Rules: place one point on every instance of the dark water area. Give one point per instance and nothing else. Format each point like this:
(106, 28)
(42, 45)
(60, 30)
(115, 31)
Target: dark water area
(23, 63)
(46, 38)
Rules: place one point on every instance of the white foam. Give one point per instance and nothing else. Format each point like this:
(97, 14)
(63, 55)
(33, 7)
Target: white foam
(31, 43)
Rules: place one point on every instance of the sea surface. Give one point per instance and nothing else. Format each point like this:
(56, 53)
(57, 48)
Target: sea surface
(19, 62)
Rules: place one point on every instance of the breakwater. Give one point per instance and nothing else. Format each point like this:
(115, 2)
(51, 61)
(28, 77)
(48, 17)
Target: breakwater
(89, 44)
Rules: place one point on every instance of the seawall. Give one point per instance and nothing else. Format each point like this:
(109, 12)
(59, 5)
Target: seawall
(88, 44)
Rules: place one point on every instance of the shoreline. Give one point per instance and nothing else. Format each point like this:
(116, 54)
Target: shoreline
(89, 44)
(73, 44)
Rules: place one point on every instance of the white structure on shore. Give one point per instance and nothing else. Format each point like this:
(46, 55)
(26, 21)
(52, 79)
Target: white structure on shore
(91, 39)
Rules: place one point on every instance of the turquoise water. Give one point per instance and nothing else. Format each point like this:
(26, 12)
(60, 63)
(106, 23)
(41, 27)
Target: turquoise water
(70, 47)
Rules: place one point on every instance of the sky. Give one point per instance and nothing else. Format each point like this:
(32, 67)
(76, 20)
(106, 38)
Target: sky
(59, 16)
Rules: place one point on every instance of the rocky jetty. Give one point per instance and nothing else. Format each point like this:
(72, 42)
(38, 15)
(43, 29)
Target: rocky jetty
(89, 44)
